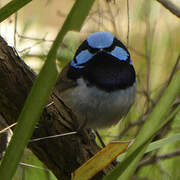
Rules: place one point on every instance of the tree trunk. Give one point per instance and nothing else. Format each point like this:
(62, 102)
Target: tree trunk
(61, 155)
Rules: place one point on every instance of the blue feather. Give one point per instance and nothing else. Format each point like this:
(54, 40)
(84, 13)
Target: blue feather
(100, 40)
(119, 53)
(81, 58)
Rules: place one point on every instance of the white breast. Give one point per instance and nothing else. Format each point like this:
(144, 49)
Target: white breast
(99, 108)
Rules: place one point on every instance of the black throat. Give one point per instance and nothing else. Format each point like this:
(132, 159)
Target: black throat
(105, 72)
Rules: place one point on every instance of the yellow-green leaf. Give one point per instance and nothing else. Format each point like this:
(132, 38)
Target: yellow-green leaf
(100, 160)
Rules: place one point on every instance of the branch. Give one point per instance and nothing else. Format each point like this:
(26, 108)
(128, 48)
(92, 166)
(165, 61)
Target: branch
(130, 125)
(61, 155)
(171, 7)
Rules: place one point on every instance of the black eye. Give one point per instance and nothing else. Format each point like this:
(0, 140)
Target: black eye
(92, 50)
(109, 49)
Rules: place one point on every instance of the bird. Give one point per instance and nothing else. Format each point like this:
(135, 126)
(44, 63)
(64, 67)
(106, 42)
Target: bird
(99, 83)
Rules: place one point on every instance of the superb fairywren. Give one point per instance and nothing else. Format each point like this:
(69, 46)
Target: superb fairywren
(99, 84)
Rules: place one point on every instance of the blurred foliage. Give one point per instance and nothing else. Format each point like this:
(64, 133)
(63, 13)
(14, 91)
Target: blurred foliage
(154, 43)
(32, 169)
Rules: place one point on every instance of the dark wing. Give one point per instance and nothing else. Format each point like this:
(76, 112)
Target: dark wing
(63, 83)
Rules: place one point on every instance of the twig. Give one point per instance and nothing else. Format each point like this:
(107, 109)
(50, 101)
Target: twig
(5, 129)
(54, 136)
(171, 7)
(15, 28)
(169, 79)
(148, 49)
(25, 50)
(99, 23)
(34, 39)
(112, 16)
(100, 139)
(130, 125)
(128, 18)
(33, 166)
(154, 159)
(174, 70)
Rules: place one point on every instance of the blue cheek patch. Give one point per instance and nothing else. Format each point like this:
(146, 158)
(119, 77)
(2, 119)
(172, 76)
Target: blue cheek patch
(100, 40)
(119, 53)
(82, 58)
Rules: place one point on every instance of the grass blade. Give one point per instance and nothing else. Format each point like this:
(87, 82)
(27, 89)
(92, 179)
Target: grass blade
(154, 122)
(12, 7)
(156, 145)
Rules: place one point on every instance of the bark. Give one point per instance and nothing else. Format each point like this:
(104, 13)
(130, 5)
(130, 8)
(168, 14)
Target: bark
(3, 136)
(61, 155)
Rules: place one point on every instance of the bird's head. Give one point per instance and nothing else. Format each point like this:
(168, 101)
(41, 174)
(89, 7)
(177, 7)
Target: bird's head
(104, 61)
(100, 43)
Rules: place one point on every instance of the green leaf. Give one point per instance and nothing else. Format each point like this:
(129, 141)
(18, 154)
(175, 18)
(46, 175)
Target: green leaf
(154, 122)
(157, 144)
(160, 143)
(40, 92)
(12, 7)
